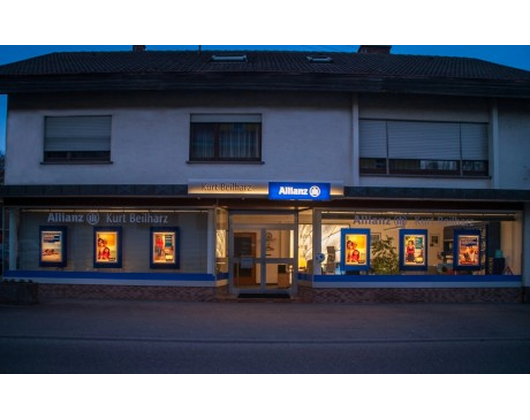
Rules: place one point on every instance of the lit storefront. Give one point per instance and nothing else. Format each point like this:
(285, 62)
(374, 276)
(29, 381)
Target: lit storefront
(251, 238)
(64, 247)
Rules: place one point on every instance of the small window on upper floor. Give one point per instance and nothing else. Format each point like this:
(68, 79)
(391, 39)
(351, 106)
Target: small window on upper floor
(229, 58)
(319, 59)
(77, 139)
(225, 138)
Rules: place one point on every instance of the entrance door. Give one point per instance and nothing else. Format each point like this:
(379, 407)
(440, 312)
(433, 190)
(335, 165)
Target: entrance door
(263, 252)
(244, 256)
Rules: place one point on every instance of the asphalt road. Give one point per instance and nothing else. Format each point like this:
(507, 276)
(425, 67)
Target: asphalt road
(69, 336)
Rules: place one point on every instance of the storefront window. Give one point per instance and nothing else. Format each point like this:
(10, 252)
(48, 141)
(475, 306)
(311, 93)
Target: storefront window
(127, 240)
(424, 243)
(305, 240)
(221, 248)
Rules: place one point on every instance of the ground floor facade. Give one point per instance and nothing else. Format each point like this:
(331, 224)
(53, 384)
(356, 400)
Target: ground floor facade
(346, 248)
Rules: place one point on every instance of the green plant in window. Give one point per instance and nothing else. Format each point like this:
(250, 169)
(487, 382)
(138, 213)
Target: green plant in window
(385, 258)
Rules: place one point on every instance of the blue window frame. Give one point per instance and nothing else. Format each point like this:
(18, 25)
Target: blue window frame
(413, 251)
(355, 250)
(467, 249)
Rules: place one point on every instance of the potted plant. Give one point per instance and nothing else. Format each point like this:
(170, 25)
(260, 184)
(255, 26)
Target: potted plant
(385, 258)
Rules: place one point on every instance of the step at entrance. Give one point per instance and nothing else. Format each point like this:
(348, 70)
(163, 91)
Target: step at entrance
(264, 297)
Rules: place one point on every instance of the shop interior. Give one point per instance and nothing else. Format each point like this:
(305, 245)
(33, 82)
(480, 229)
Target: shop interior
(261, 254)
(496, 250)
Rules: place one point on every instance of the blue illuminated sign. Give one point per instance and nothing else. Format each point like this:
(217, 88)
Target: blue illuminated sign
(299, 191)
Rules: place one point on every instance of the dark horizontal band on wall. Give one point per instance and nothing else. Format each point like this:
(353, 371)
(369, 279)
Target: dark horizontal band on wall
(436, 193)
(94, 190)
(181, 191)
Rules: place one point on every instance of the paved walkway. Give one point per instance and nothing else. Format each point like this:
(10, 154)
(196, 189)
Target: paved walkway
(92, 336)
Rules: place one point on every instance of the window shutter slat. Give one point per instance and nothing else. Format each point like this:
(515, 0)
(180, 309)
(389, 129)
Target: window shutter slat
(423, 140)
(87, 144)
(372, 139)
(475, 142)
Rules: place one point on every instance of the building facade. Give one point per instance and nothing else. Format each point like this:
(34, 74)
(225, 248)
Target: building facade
(178, 175)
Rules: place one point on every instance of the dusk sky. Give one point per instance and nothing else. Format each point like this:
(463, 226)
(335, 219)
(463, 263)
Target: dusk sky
(509, 55)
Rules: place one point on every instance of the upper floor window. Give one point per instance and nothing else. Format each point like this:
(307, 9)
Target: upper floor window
(225, 137)
(77, 139)
(423, 148)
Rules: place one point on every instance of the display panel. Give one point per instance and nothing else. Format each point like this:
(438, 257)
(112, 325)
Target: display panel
(467, 250)
(52, 246)
(412, 251)
(165, 247)
(107, 247)
(355, 249)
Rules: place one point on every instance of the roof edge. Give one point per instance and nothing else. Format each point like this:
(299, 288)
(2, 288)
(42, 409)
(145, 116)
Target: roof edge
(267, 81)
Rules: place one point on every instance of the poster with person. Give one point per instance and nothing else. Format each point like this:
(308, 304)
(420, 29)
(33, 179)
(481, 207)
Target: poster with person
(164, 247)
(355, 249)
(466, 250)
(107, 247)
(413, 253)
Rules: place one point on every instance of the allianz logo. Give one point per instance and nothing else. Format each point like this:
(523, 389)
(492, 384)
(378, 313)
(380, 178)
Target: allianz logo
(313, 191)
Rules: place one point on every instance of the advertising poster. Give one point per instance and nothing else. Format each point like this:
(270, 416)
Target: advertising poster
(467, 250)
(52, 246)
(355, 249)
(413, 252)
(107, 247)
(164, 247)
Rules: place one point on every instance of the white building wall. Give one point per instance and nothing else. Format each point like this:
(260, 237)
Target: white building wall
(304, 137)
(526, 250)
(514, 145)
(424, 108)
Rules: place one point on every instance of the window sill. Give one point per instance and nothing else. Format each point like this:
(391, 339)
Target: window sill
(225, 162)
(77, 163)
(426, 176)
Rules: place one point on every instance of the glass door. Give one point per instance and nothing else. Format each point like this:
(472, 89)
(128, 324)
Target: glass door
(262, 255)
(244, 269)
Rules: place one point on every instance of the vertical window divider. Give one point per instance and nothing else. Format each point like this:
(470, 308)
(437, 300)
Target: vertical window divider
(387, 149)
(461, 150)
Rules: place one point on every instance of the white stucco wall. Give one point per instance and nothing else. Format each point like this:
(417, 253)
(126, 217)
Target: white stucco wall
(514, 145)
(526, 248)
(424, 108)
(303, 137)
